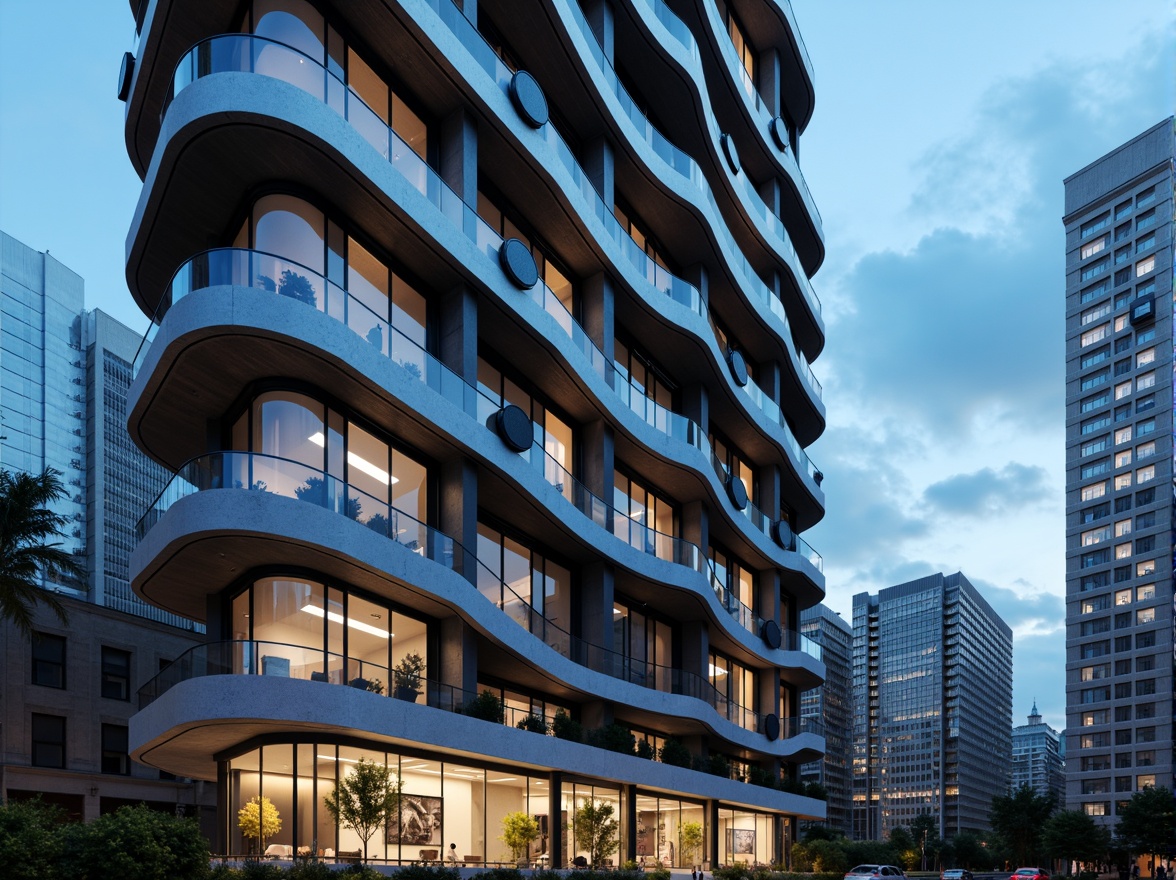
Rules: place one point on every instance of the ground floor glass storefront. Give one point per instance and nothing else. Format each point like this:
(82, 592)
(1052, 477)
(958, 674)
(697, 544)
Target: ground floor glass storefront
(446, 802)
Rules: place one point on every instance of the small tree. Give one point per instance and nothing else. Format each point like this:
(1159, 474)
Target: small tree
(596, 830)
(1071, 835)
(30, 839)
(1147, 824)
(690, 840)
(1018, 818)
(366, 798)
(259, 819)
(519, 831)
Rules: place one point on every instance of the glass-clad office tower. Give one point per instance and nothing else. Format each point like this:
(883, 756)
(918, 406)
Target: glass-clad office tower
(1119, 475)
(481, 355)
(43, 382)
(933, 695)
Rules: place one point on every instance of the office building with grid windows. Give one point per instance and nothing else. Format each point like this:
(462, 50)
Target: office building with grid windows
(481, 353)
(832, 705)
(1119, 403)
(1039, 759)
(932, 692)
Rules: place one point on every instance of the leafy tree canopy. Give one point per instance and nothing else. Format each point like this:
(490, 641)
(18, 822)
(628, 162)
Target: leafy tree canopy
(1147, 824)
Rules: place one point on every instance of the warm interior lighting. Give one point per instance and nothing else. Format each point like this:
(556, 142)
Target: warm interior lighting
(357, 461)
(335, 617)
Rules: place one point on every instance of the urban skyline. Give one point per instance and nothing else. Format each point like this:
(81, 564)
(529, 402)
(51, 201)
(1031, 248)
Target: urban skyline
(886, 233)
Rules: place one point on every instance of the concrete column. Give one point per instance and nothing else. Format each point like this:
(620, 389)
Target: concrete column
(556, 856)
(598, 447)
(695, 649)
(629, 804)
(769, 378)
(695, 524)
(696, 407)
(596, 714)
(459, 658)
(769, 191)
(769, 84)
(459, 151)
(600, 18)
(458, 332)
(767, 595)
(598, 312)
(599, 164)
(458, 512)
(596, 607)
(769, 692)
(770, 493)
(697, 275)
(712, 832)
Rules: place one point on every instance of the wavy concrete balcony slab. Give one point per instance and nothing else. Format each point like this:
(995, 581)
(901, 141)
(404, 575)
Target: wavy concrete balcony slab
(214, 343)
(198, 719)
(206, 541)
(255, 117)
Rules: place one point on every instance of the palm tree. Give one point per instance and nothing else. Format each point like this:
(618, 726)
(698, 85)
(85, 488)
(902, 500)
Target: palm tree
(26, 525)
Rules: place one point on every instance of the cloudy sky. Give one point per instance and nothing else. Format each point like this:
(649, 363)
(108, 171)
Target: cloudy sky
(936, 155)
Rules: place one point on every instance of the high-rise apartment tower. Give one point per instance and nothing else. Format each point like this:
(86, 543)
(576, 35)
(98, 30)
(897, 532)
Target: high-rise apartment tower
(933, 692)
(481, 356)
(832, 705)
(1119, 474)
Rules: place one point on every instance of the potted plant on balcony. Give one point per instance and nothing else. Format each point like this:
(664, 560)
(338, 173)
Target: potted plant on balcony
(406, 677)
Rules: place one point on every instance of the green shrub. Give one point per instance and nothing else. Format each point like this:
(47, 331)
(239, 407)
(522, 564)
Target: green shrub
(535, 724)
(718, 765)
(644, 749)
(674, 753)
(659, 873)
(256, 870)
(135, 843)
(425, 872)
(566, 727)
(501, 874)
(731, 872)
(30, 839)
(613, 737)
(305, 870)
(487, 706)
(760, 776)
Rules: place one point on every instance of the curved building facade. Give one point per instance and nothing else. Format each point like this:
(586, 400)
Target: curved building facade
(480, 352)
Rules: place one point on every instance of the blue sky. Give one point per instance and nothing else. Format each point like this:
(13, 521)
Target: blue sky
(936, 155)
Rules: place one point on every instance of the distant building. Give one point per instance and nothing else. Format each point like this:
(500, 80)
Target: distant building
(932, 669)
(1038, 758)
(64, 377)
(65, 709)
(832, 704)
(1119, 403)
(70, 692)
(121, 482)
(43, 381)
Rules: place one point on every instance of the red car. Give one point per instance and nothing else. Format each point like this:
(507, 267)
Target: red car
(1029, 874)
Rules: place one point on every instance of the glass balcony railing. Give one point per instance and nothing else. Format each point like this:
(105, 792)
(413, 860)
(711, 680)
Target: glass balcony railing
(256, 472)
(256, 269)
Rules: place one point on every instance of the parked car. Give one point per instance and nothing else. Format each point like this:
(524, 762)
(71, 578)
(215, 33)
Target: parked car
(1029, 874)
(873, 872)
(956, 874)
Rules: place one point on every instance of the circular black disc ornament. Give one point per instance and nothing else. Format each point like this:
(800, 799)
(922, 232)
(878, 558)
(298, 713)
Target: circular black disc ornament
(518, 264)
(528, 99)
(514, 427)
